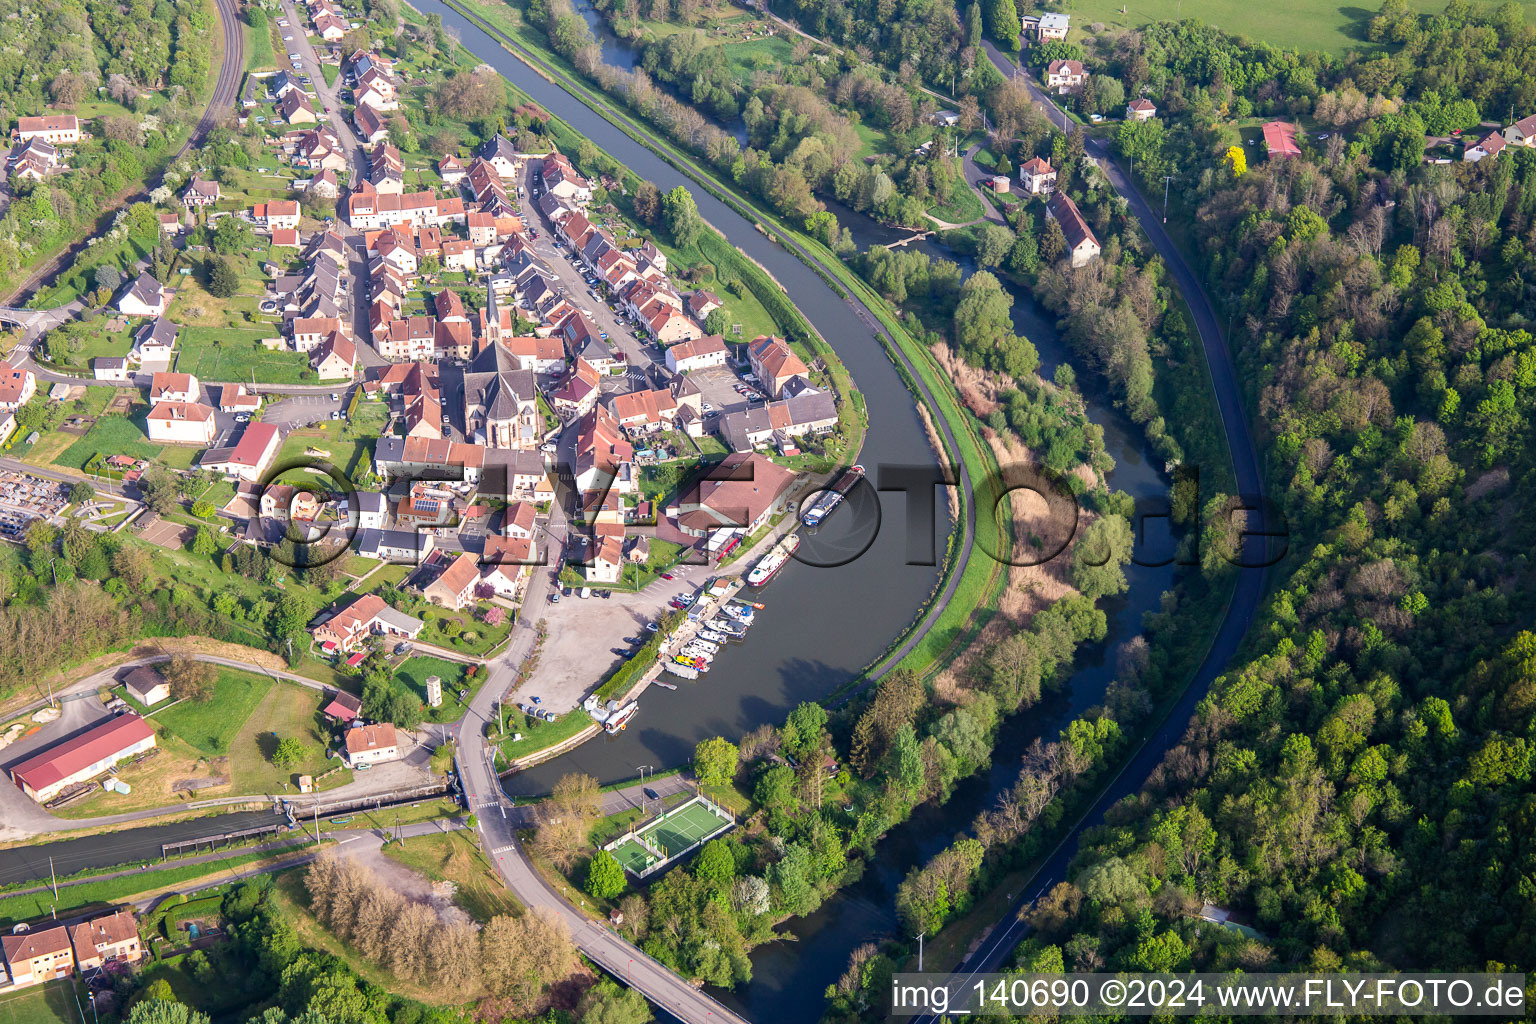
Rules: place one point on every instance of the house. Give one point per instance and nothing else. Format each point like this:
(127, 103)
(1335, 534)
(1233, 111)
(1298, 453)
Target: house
(17, 386)
(324, 185)
(644, 411)
(367, 509)
(155, 342)
(372, 744)
(145, 297)
(1065, 76)
(451, 169)
(1037, 176)
(113, 368)
(667, 324)
(181, 423)
(237, 398)
(1280, 140)
(409, 547)
(173, 387)
(425, 457)
(40, 955)
(775, 364)
(370, 126)
(742, 492)
(146, 686)
(376, 89)
(1082, 246)
(335, 358)
(295, 109)
(1049, 27)
(55, 129)
(455, 586)
(541, 355)
(505, 561)
(605, 559)
(1140, 109)
(287, 503)
(249, 457)
(34, 160)
(604, 459)
(344, 707)
(44, 775)
(1489, 145)
(285, 238)
(279, 213)
(458, 254)
(501, 155)
(702, 303)
(777, 422)
(1522, 132)
(200, 192)
(709, 350)
(111, 938)
(329, 27)
(520, 520)
(562, 181)
(364, 617)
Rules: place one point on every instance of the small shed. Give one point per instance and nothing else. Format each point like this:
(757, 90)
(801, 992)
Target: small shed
(146, 686)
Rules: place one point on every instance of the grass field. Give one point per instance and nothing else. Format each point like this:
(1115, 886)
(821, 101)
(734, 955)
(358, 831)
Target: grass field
(454, 857)
(1303, 25)
(111, 435)
(413, 675)
(234, 353)
(53, 1003)
(288, 710)
(211, 725)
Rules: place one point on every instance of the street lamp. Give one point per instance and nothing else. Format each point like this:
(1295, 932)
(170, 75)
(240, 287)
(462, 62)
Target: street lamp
(641, 769)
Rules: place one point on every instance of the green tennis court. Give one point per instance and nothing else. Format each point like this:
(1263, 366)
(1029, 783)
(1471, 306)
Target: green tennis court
(673, 833)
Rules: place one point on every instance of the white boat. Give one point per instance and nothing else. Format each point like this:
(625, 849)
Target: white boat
(729, 627)
(712, 636)
(738, 612)
(619, 720)
(770, 564)
(697, 652)
(707, 646)
(681, 671)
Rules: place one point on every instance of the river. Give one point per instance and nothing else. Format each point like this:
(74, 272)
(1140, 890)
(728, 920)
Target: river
(820, 627)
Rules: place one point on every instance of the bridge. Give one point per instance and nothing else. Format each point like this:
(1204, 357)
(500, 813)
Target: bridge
(23, 318)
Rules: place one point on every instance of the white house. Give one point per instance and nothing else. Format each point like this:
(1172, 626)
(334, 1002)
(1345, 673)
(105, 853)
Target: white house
(145, 297)
(696, 354)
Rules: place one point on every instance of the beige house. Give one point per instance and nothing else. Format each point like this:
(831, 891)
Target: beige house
(181, 423)
(1141, 109)
(1037, 176)
(107, 939)
(34, 957)
(775, 364)
(1065, 76)
(146, 686)
(1081, 243)
(372, 744)
(455, 586)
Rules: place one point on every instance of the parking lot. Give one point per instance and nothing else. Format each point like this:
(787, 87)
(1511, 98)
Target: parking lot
(718, 384)
(304, 410)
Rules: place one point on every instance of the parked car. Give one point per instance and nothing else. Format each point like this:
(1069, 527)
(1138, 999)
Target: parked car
(668, 576)
(651, 627)
(586, 592)
(548, 446)
(403, 648)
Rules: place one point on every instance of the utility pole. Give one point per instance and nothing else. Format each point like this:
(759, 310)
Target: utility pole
(920, 952)
(1166, 179)
(53, 878)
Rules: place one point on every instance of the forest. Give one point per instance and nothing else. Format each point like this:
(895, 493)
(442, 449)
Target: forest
(151, 60)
